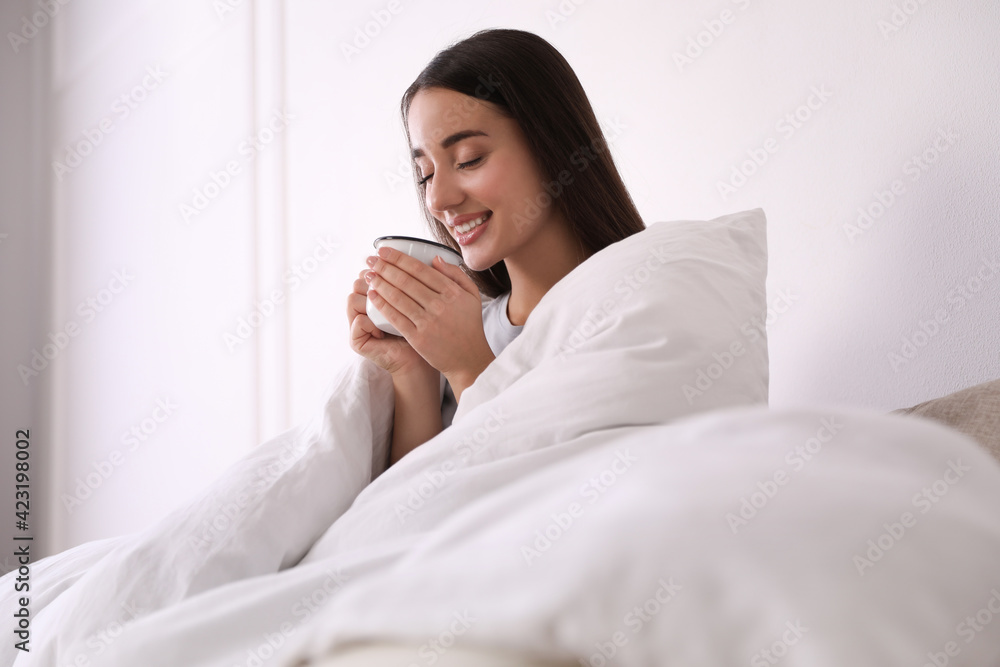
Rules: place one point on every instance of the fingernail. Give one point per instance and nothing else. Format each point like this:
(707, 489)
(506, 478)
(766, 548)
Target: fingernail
(369, 275)
(384, 252)
(371, 261)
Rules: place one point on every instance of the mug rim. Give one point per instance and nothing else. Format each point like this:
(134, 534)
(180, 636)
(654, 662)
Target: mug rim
(414, 238)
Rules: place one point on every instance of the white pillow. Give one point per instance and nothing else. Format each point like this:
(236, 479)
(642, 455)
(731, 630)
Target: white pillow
(684, 297)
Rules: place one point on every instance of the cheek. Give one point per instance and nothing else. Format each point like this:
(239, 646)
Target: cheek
(511, 182)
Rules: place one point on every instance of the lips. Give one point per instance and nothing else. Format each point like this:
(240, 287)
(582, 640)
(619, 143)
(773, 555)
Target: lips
(465, 224)
(475, 232)
(466, 217)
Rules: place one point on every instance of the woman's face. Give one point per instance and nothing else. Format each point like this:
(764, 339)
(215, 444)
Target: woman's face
(478, 163)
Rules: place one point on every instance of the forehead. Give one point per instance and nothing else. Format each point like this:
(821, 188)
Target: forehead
(438, 114)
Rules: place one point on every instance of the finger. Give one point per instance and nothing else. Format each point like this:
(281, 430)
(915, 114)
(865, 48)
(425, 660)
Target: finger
(361, 285)
(400, 269)
(357, 332)
(457, 274)
(352, 315)
(362, 325)
(401, 296)
(405, 293)
(356, 303)
(393, 306)
(357, 298)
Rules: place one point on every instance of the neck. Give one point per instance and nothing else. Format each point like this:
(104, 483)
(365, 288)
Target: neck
(538, 265)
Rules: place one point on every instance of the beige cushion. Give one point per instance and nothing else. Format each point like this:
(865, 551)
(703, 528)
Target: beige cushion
(380, 654)
(974, 411)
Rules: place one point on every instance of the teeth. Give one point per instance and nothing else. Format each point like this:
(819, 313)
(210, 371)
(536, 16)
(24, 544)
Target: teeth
(472, 224)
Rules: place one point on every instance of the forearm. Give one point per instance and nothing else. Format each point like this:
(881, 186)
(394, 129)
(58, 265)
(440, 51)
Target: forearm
(417, 416)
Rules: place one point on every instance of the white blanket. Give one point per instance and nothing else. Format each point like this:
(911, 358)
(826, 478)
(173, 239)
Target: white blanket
(707, 541)
(585, 504)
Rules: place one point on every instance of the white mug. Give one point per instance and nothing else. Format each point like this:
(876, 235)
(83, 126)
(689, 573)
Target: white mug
(421, 249)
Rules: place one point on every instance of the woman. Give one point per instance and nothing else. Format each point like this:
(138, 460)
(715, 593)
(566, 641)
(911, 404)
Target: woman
(514, 173)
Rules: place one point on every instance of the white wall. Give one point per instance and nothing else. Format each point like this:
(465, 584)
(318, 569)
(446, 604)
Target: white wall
(881, 94)
(329, 177)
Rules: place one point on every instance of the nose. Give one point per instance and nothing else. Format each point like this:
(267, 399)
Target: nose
(443, 192)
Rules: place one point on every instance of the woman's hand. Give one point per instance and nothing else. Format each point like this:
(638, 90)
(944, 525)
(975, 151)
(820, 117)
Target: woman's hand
(437, 309)
(389, 352)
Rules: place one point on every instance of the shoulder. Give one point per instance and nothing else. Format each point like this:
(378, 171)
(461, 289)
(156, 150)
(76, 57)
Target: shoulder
(491, 303)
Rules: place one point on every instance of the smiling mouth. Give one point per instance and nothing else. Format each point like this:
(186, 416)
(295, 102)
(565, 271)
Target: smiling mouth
(472, 224)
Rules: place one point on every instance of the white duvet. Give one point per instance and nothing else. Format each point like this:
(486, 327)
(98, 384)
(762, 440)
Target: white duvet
(592, 501)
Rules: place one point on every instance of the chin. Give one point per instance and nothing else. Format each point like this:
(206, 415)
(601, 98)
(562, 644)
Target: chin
(476, 266)
(477, 262)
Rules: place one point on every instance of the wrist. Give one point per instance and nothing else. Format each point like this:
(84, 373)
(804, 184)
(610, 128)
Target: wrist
(463, 378)
(459, 382)
(417, 376)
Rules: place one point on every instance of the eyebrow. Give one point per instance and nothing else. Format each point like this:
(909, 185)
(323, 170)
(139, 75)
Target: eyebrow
(452, 140)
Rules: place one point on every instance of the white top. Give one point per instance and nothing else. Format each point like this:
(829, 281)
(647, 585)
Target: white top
(499, 333)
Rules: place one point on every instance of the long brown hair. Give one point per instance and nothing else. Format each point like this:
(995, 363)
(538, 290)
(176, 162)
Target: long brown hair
(526, 79)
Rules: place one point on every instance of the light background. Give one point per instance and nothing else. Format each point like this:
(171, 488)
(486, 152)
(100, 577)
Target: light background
(333, 172)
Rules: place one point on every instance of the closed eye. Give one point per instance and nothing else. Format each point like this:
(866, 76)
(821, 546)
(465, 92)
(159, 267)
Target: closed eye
(462, 165)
